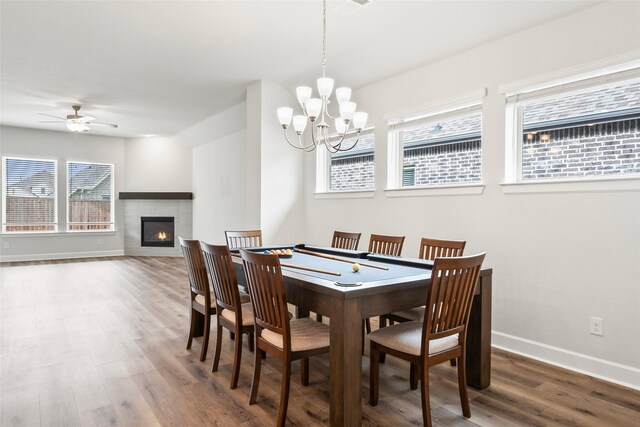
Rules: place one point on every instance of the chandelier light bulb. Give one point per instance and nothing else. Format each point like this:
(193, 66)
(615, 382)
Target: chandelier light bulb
(313, 107)
(360, 120)
(299, 123)
(303, 93)
(284, 116)
(343, 94)
(325, 87)
(341, 126)
(347, 109)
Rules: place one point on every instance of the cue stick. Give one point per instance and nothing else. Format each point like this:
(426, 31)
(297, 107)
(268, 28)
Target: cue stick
(335, 258)
(317, 270)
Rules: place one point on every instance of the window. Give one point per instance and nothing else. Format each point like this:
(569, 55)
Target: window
(29, 192)
(351, 170)
(439, 149)
(89, 196)
(409, 176)
(582, 128)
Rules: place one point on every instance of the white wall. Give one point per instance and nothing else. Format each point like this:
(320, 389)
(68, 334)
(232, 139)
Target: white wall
(157, 164)
(219, 174)
(244, 177)
(557, 258)
(64, 146)
(219, 188)
(281, 170)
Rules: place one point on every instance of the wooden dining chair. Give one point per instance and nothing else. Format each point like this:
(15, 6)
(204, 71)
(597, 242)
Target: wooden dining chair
(231, 311)
(243, 239)
(430, 249)
(345, 240)
(440, 336)
(199, 292)
(275, 333)
(386, 245)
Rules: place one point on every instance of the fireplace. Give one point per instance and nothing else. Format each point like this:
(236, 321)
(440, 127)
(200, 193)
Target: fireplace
(157, 231)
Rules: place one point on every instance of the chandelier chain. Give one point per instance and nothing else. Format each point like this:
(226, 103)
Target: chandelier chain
(324, 36)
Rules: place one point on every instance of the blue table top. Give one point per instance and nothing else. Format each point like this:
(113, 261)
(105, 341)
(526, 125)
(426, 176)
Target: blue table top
(347, 275)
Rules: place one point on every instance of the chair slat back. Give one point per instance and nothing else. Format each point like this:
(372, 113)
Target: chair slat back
(345, 240)
(386, 245)
(223, 275)
(266, 289)
(195, 267)
(243, 239)
(453, 282)
(431, 249)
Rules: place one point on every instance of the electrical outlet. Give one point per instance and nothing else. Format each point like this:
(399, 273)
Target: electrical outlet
(99, 241)
(595, 327)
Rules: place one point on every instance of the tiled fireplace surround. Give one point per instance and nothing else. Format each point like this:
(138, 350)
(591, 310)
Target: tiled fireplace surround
(155, 205)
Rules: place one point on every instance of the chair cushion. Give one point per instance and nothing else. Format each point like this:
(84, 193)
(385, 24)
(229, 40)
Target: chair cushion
(306, 334)
(407, 338)
(247, 314)
(200, 300)
(416, 313)
(244, 297)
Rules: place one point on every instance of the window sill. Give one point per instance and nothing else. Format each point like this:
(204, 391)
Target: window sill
(58, 233)
(573, 186)
(366, 194)
(442, 190)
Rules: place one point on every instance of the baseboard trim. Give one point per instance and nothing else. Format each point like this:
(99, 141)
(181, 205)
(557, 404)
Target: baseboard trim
(617, 373)
(62, 255)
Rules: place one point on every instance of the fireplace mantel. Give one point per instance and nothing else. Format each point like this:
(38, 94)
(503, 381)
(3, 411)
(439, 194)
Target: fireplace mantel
(155, 196)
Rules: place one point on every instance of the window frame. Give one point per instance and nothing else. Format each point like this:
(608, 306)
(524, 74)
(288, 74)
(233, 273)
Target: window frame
(395, 158)
(112, 199)
(56, 223)
(518, 97)
(323, 170)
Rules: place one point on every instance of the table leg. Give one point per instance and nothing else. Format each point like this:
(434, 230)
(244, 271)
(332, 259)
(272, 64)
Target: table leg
(198, 331)
(301, 312)
(346, 363)
(479, 337)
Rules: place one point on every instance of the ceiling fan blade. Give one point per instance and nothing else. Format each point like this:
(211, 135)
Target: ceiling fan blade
(103, 124)
(85, 119)
(55, 117)
(52, 121)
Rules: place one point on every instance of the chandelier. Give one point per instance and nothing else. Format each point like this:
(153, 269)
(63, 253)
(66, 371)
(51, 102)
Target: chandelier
(316, 111)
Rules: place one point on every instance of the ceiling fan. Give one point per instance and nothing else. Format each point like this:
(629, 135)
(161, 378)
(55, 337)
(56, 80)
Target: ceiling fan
(75, 122)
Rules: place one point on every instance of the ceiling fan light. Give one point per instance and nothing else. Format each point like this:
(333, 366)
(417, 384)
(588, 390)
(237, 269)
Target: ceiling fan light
(77, 127)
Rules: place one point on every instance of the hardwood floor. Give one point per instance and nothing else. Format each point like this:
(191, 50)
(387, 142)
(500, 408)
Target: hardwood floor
(102, 342)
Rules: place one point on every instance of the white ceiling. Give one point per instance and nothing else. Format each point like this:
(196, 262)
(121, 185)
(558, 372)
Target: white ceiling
(156, 68)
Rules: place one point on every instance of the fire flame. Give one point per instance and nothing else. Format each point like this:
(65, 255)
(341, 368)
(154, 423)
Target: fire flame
(162, 235)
